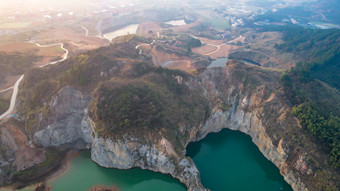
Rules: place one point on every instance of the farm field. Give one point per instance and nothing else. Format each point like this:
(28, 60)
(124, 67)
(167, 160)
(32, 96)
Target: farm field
(16, 25)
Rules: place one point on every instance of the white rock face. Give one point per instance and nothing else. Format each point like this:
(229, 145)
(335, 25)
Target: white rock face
(71, 123)
(68, 122)
(127, 154)
(244, 114)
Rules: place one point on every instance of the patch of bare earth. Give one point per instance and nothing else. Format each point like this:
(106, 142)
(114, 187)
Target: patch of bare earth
(25, 156)
(46, 54)
(145, 28)
(224, 51)
(216, 48)
(204, 50)
(185, 65)
(76, 39)
(18, 47)
(9, 82)
(262, 49)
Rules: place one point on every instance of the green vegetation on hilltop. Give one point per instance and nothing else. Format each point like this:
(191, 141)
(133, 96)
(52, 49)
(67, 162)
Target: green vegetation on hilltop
(130, 96)
(313, 86)
(79, 74)
(327, 71)
(152, 103)
(325, 129)
(187, 42)
(314, 45)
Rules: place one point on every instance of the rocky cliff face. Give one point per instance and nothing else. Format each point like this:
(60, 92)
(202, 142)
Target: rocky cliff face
(247, 108)
(67, 123)
(7, 154)
(238, 100)
(131, 153)
(70, 123)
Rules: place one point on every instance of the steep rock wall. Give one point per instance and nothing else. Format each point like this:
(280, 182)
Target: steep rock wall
(244, 110)
(71, 123)
(246, 113)
(131, 153)
(67, 124)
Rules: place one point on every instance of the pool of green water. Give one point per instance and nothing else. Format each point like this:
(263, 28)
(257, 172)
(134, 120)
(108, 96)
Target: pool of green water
(230, 161)
(84, 174)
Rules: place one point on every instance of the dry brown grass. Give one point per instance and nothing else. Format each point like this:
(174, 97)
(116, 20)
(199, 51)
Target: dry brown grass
(24, 47)
(144, 29)
(76, 39)
(47, 54)
(185, 65)
(9, 81)
(18, 47)
(203, 50)
(6, 95)
(224, 51)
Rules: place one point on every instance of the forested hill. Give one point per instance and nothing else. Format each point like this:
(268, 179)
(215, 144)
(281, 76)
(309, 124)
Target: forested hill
(320, 49)
(313, 86)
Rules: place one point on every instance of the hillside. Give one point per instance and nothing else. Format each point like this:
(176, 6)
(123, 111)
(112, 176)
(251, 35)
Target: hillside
(312, 86)
(134, 114)
(15, 64)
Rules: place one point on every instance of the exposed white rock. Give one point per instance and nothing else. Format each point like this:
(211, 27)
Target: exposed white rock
(127, 154)
(68, 123)
(71, 123)
(244, 115)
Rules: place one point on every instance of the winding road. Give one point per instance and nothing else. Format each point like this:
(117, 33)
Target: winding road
(86, 31)
(49, 45)
(13, 98)
(217, 46)
(17, 83)
(5, 90)
(140, 50)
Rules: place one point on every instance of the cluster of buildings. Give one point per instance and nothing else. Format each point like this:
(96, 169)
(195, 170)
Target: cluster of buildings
(59, 15)
(290, 20)
(234, 21)
(238, 15)
(111, 10)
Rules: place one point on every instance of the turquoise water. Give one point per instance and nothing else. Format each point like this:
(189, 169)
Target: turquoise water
(219, 62)
(230, 161)
(84, 174)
